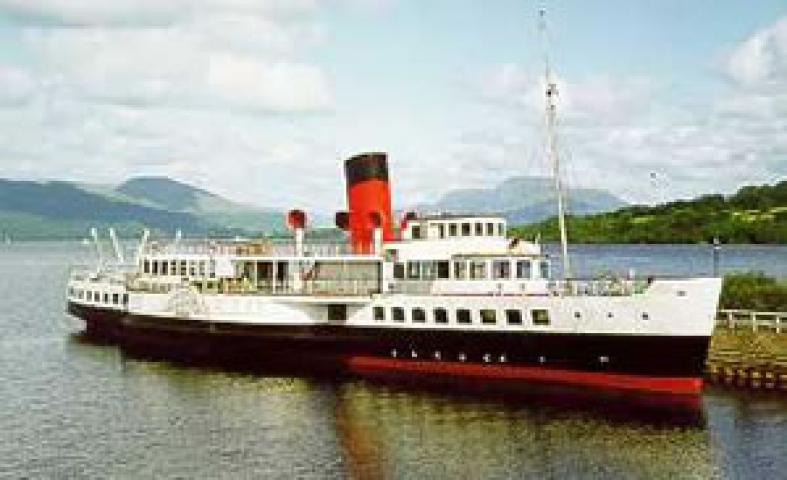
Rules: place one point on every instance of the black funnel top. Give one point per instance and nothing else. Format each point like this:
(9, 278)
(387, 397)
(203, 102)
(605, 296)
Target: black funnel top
(366, 166)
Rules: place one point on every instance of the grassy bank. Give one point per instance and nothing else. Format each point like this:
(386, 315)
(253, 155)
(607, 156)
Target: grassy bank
(754, 291)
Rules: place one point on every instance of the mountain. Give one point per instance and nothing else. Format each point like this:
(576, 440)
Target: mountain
(523, 200)
(60, 209)
(754, 214)
(168, 194)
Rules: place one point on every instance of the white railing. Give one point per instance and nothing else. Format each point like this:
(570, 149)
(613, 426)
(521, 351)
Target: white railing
(248, 248)
(111, 274)
(598, 287)
(751, 320)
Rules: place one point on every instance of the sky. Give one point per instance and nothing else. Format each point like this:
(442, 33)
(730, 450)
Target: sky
(261, 100)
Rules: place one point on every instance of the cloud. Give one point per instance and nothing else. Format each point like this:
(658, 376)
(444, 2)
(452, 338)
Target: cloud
(615, 132)
(142, 12)
(207, 91)
(760, 62)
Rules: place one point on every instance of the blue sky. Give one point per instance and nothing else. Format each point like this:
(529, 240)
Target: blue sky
(259, 100)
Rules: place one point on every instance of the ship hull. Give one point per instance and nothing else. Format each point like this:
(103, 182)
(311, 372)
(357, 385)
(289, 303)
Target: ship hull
(653, 363)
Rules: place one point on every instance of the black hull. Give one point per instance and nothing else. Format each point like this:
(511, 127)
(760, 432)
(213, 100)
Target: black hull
(672, 364)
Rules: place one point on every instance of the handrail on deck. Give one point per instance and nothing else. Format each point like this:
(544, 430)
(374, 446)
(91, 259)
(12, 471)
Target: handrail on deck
(750, 319)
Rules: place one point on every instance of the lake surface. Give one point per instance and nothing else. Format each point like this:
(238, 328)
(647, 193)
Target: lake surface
(70, 409)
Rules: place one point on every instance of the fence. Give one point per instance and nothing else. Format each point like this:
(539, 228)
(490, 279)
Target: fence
(755, 321)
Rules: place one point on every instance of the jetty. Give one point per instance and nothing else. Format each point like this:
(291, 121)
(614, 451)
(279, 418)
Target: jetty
(749, 350)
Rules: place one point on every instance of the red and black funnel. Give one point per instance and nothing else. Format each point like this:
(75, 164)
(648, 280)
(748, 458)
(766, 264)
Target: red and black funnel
(368, 198)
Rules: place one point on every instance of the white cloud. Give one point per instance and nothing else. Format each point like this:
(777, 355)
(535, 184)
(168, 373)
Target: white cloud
(760, 62)
(142, 12)
(616, 132)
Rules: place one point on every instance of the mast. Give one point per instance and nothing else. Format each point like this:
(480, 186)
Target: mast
(551, 94)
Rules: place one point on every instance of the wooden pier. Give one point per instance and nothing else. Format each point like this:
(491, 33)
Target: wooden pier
(749, 350)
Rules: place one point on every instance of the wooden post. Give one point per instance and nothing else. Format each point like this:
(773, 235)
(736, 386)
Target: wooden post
(753, 316)
(730, 320)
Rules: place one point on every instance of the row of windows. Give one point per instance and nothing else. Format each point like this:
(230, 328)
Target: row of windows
(469, 269)
(461, 316)
(99, 297)
(468, 229)
(179, 268)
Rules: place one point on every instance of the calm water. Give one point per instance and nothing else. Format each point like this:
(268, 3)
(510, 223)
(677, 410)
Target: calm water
(74, 410)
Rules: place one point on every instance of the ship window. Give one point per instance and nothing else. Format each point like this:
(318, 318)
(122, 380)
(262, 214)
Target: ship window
(488, 316)
(440, 315)
(478, 269)
(523, 269)
(441, 230)
(154, 268)
(463, 316)
(125, 299)
(490, 229)
(211, 268)
(106, 298)
(500, 231)
(337, 312)
(577, 315)
(165, 268)
(379, 314)
(192, 269)
(427, 270)
(543, 269)
(540, 316)
(413, 270)
(183, 268)
(416, 232)
(460, 270)
(465, 229)
(645, 316)
(442, 270)
(419, 315)
(202, 268)
(452, 230)
(115, 298)
(514, 317)
(501, 269)
(146, 266)
(397, 313)
(399, 271)
(81, 295)
(479, 229)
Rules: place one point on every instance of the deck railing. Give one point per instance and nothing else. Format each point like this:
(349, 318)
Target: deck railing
(250, 248)
(752, 320)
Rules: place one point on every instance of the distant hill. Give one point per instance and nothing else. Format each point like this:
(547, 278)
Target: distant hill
(67, 210)
(168, 194)
(523, 200)
(754, 214)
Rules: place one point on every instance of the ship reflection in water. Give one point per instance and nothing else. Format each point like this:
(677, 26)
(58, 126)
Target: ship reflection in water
(390, 432)
(324, 428)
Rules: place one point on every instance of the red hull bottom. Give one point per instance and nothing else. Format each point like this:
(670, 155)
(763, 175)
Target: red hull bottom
(372, 366)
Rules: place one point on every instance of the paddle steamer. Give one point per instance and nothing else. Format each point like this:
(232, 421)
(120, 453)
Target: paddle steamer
(439, 295)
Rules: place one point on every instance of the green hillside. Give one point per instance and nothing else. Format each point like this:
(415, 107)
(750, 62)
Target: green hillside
(754, 214)
(53, 210)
